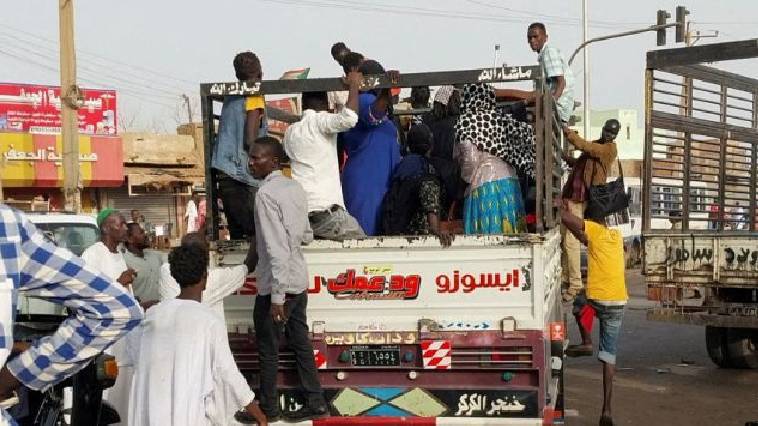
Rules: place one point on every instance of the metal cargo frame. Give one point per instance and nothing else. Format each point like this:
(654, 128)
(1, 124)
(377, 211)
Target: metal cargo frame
(701, 138)
(546, 126)
(701, 154)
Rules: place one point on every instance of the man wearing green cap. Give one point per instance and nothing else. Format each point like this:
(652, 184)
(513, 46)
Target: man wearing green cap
(105, 256)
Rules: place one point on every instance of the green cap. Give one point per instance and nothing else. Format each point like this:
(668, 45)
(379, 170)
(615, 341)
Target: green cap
(104, 213)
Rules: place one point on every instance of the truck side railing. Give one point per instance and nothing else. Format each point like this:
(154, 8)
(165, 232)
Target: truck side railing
(701, 141)
(548, 133)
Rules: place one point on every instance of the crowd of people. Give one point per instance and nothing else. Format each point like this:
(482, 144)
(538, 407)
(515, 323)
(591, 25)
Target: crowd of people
(366, 168)
(358, 169)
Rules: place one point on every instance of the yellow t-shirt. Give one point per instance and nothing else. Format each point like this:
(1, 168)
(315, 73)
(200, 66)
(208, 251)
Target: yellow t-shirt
(605, 263)
(254, 102)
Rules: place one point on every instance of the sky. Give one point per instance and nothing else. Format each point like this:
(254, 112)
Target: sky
(152, 52)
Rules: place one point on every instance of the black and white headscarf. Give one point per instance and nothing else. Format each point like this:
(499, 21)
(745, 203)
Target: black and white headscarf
(492, 131)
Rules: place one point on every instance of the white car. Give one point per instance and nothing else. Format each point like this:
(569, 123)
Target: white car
(71, 231)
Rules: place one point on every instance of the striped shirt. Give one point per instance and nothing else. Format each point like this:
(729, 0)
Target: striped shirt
(101, 311)
(554, 66)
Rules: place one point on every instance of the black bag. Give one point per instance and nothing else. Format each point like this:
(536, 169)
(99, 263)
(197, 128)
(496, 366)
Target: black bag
(605, 199)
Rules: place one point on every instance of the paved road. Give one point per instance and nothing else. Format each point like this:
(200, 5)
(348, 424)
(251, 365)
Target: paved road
(665, 377)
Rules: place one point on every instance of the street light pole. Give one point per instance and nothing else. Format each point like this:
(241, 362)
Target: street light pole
(70, 98)
(586, 54)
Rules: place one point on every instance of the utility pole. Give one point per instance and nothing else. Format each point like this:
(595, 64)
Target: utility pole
(586, 56)
(70, 98)
(189, 107)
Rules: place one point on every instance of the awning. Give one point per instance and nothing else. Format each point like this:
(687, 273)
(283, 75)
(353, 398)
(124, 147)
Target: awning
(175, 180)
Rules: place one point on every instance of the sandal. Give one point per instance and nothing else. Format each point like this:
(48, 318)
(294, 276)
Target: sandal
(578, 350)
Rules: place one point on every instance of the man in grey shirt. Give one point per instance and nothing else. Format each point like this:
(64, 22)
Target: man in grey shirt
(281, 224)
(145, 262)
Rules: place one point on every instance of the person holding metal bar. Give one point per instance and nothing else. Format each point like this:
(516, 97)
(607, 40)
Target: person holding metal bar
(590, 168)
(555, 69)
(242, 121)
(311, 145)
(606, 294)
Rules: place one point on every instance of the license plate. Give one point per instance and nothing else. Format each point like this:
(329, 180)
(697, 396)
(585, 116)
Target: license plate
(375, 356)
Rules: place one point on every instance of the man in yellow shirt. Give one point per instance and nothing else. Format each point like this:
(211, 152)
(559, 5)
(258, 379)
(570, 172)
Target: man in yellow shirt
(605, 297)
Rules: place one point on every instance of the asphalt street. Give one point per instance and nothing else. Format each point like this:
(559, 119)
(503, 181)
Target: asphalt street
(664, 376)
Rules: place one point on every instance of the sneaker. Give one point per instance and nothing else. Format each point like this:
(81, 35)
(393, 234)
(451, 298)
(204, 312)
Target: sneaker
(307, 413)
(9, 402)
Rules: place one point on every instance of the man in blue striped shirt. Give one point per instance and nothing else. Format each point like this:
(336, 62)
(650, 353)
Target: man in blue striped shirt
(101, 311)
(556, 71)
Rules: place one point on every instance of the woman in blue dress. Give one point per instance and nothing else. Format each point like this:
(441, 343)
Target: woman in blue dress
(372, 153)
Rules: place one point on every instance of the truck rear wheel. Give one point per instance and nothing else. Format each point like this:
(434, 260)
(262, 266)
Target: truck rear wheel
(742, 347)
(716, 343)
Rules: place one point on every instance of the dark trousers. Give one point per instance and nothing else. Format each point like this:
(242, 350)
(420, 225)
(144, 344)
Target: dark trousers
(267, 334)
(239, 206)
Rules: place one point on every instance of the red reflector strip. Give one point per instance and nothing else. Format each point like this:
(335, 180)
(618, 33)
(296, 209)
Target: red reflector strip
(557, 330)
(436, 354)
(375, 421)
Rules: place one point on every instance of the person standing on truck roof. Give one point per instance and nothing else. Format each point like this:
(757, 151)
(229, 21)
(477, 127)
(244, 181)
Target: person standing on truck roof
(100, 311)
(606, 294)
(108, 259)
(591, 168)
(281, 219)
(372, 154)
(185, 373)
(413, 205)
(145, 262)
(243, 120)
(311, 145)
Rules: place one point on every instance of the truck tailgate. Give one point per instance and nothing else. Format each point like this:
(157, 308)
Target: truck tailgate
(394, 283)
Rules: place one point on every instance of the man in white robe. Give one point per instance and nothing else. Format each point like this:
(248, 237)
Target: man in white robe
(184, 370)
(106, 257)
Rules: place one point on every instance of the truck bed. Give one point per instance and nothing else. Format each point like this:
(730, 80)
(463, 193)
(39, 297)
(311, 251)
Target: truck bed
(392, 283)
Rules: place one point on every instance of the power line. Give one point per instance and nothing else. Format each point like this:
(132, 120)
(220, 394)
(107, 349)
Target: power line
(567, 19)
(171, 90)
(105, 58)
(406, 10)
(141, 95)
(95, 77)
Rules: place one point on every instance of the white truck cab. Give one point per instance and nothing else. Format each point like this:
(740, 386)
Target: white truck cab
(74, 232)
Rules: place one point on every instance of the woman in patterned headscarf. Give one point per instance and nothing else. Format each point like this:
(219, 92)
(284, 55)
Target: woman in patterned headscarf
(488, 154)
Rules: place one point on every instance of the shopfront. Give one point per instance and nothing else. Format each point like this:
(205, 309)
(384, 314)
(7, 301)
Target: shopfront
(31, 168)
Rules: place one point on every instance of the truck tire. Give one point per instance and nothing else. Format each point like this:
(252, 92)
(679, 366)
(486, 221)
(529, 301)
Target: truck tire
(742, 347)
(716, 343)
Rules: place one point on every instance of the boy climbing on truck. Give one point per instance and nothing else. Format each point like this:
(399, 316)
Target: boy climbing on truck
(605, 297)
(242, 121)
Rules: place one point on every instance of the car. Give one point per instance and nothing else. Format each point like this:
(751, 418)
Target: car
(74, 232)
(38, 318)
